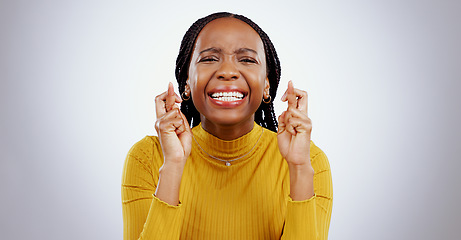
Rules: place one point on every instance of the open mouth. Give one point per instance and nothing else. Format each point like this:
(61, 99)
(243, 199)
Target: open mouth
(227, 96)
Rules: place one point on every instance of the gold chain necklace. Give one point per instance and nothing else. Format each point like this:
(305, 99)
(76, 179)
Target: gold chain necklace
(228, 162)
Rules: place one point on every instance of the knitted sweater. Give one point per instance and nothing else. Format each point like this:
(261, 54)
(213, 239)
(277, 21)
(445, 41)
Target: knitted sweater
(247, 200)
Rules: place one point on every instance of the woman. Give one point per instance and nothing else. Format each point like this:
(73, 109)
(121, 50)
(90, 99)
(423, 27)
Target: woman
(231, 176)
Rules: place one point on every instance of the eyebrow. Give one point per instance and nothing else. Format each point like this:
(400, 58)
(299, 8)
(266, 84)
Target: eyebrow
(242, 50)
(218, 50)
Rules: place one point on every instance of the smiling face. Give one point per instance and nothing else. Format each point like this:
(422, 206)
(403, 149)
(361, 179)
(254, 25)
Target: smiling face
(227, 73)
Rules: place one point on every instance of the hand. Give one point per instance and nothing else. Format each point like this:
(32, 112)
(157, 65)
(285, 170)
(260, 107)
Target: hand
(294, 131)
(172, 128)
(294, 137)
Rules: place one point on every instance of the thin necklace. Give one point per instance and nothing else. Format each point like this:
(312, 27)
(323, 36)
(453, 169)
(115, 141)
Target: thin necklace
(228, 162)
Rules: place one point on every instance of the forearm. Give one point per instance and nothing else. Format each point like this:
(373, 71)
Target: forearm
(309, 219)
(301, 181)
(169, 182)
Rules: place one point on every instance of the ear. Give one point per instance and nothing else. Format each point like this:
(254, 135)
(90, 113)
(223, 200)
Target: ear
(266, 88)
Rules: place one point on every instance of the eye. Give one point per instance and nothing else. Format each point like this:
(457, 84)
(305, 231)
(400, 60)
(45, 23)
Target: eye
(209, 59)
(248, 60)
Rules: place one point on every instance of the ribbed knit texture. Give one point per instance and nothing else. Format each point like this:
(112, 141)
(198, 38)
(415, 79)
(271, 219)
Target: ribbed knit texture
(247, 200)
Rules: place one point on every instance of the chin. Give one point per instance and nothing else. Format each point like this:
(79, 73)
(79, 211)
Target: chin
(230, 118)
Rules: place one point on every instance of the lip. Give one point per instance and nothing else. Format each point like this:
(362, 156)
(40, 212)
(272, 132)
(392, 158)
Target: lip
(227, 104)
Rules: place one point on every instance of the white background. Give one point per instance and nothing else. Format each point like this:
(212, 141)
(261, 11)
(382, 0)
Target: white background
(78, 80)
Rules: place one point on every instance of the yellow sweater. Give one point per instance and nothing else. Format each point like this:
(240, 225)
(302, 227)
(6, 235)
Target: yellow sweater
(247, 200)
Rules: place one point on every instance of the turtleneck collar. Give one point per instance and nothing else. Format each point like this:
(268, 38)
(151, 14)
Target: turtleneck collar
(224, 149)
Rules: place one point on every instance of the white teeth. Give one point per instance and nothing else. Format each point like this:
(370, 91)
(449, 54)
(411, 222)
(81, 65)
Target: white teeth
(227, 99)
(227, 96)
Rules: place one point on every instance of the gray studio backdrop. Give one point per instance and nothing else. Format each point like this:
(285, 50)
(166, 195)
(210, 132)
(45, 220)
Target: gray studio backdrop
(78, 81)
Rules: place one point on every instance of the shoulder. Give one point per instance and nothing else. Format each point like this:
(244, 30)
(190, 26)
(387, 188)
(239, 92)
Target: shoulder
(142, 163)
(315, 150)
(146, 151)
(318, 157)
(145, 146)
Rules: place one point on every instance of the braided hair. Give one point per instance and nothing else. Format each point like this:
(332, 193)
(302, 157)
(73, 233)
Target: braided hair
(265, 115)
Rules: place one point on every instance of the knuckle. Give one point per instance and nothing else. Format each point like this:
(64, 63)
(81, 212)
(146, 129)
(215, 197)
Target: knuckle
(164, 122)
(161, 125)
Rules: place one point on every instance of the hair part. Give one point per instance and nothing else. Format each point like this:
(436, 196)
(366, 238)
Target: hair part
(265, 115)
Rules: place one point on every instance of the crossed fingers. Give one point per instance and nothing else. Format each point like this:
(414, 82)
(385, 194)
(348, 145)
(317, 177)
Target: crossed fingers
(166, 101)
(296, 98)
(294, 120)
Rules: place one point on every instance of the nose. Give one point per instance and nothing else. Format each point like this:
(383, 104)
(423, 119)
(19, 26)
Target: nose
(228, 70)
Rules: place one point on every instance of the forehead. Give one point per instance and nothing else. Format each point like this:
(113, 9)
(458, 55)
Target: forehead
(229, 34)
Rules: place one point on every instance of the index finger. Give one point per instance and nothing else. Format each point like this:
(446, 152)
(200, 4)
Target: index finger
(291, 96)
(170, 98)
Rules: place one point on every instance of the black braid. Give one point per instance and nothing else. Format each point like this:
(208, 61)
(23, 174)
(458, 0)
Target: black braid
(265, 115)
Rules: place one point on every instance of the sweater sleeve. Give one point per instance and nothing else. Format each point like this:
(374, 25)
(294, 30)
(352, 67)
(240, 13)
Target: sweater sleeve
(144, 215)
(310, 219)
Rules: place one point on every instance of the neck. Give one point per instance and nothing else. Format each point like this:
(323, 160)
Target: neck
(228, 131)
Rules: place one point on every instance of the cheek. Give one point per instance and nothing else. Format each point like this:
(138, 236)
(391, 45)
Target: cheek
(258, 80)
(194, 76)
(195, 80)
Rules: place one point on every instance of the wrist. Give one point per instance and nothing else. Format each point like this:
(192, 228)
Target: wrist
(176, 162)
(171, 170)
(169, 183)
(301, 169)
(301, 181)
